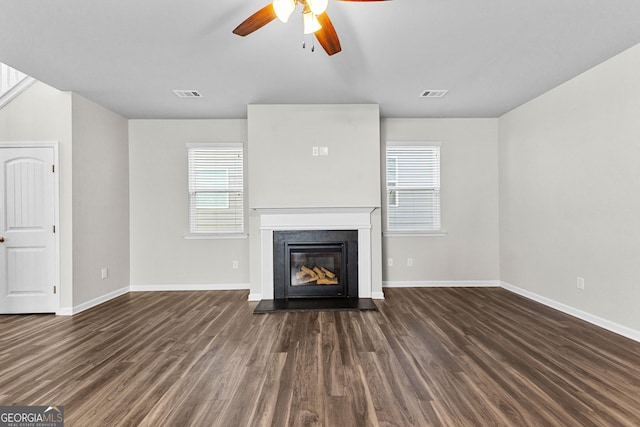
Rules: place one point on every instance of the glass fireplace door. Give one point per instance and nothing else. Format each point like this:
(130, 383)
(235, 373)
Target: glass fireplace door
(315, 270)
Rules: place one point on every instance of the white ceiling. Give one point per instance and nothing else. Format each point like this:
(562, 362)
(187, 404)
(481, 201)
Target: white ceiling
(492, 55)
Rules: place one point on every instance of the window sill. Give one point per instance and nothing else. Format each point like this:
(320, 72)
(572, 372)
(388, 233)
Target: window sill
(216, 236)
(439, 233)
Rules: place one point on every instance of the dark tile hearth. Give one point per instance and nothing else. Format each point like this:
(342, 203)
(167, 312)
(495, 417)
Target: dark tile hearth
(315, 304)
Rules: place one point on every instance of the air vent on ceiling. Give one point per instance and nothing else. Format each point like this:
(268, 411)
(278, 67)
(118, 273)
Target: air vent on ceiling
(431, 93)
(187, 94)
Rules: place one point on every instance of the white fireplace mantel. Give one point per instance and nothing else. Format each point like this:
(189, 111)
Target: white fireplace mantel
(273, 219)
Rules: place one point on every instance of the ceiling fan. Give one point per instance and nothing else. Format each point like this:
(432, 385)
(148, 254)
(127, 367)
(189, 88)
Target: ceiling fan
(314, 17)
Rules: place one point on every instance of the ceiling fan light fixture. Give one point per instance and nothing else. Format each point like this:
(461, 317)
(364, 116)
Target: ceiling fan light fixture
(310, 23)
(284, 9)
(318, 7)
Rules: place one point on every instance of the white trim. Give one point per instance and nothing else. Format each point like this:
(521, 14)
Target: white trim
(443, 284)
(205, 145)
(322, 218)
(315, 218)
(12, 93)
(314, 210)
(65, 311)
(69, 311)
(567, 309)
(414, 143)
(439, 233)
(26, 144)
(190, 287)
(211, 236)
(255, 297)
(365, 278)
(377, 295)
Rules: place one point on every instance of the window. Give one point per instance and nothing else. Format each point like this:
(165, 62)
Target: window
(216, 188)
(392, 181)
(413, 187)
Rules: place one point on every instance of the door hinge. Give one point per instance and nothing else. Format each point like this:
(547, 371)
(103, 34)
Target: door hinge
(54, 229)
(53, 168)
(55, 290)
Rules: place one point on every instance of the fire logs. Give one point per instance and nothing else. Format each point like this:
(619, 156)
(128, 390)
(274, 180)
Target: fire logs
(320, 275)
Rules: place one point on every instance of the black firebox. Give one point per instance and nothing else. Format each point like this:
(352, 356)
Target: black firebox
(315, 264)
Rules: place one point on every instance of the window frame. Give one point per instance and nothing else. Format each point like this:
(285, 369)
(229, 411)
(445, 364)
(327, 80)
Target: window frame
(408, 232)
(389, 192)
(193, 233)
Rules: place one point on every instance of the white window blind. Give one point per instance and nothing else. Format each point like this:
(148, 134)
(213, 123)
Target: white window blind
(413, 187)
(216, 188)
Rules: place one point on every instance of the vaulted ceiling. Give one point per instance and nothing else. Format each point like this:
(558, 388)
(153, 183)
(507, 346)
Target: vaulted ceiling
(492, 55)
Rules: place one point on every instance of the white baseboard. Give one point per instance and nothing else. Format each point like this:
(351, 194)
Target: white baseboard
(65, 311)
(587, 317)
(255, 297)
(377, 295)
(70, 311)
(185, 287)
(443, 284)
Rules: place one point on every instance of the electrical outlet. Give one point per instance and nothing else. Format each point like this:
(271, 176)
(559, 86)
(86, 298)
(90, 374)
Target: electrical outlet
(314, 151)
(409, 262)
(104, 273)
(390, 262)
(580, 283)
(235, 264)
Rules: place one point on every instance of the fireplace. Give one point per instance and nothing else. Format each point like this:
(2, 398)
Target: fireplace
(273, 225)
(315, 264)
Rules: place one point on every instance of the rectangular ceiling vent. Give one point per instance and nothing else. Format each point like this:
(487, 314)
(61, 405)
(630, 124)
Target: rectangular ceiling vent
(434, 93)
(187, 94)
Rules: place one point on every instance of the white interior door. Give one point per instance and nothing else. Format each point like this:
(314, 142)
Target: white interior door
(27, 241)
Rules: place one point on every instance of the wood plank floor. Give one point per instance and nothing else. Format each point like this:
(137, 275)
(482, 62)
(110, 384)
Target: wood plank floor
(441, 357)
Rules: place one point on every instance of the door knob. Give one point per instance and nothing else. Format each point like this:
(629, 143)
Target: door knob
(1, 239)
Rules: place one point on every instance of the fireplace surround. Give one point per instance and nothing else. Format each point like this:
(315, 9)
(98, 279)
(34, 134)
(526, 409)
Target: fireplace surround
(271, 220)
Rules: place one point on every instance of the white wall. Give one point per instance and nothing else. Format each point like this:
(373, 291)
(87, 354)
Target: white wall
(100, 200)
(554, 199)
(93, 185)
(42, 113)
(159, 208)
(469, 197)
(569, 192)
(283, 172)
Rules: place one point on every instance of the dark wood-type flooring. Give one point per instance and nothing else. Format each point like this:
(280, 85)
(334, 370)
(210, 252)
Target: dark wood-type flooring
(441, 357)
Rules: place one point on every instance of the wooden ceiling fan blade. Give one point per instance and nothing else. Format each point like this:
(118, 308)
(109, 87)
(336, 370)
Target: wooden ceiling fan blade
(327, 36)
(256, 21)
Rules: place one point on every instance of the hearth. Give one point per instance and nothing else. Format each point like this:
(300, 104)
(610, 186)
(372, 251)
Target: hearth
(315, 264)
